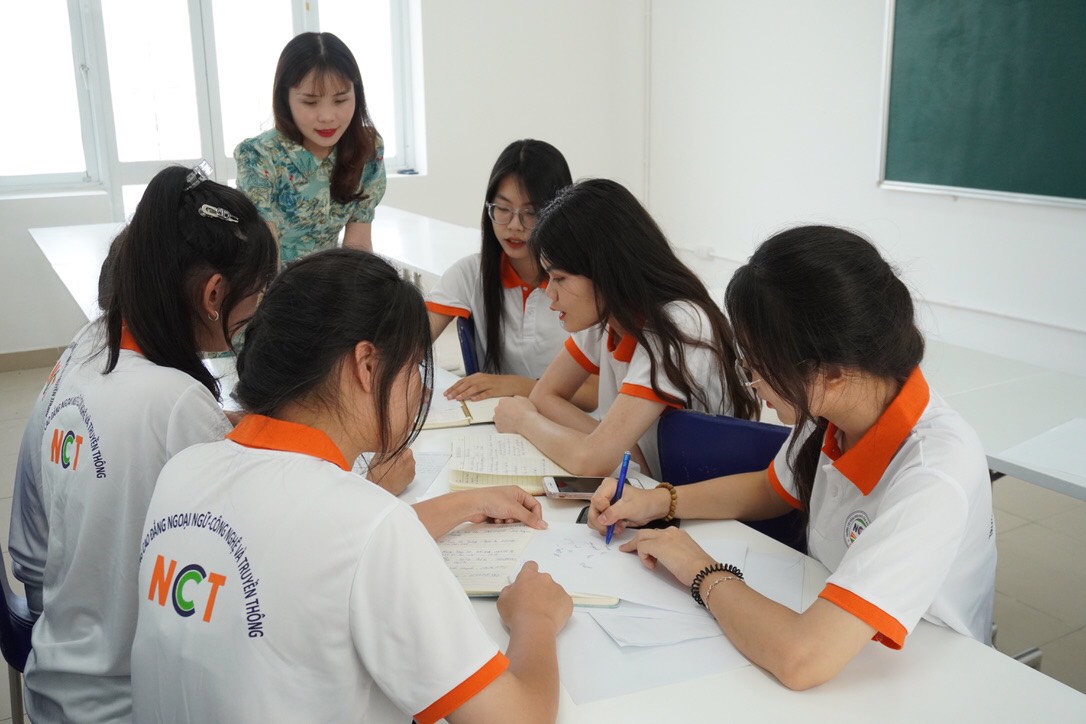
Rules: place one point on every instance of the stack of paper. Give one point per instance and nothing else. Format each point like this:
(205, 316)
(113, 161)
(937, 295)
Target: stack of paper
(480, 461)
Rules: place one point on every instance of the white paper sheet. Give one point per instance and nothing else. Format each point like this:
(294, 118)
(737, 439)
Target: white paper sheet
(576, 557)
(1063, 448)
(481, 556)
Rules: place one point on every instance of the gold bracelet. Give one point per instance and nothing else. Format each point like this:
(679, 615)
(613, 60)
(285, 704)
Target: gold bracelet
(709, 590)
(674, 500)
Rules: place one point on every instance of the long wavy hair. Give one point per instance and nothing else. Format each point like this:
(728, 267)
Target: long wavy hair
(597, 229)
(818, 296)
(332, 60)
(541, 170)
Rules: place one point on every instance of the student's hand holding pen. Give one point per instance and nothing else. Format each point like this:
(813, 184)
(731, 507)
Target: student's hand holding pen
(637, 507)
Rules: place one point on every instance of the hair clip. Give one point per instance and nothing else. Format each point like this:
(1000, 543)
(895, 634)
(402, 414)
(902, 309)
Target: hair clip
(200, 172)
(215, 212)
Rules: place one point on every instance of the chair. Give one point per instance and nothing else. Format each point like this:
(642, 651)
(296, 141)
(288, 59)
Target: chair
(695, 446)
(15, 626)
(465, 330)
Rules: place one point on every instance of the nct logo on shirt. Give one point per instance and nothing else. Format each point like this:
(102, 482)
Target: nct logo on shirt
(183, 587)
(64, 450)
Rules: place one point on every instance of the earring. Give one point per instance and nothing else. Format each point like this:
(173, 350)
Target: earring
(213, 316)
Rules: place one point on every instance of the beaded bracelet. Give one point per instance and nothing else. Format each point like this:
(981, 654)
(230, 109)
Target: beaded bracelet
(695, 586)
(674, 500)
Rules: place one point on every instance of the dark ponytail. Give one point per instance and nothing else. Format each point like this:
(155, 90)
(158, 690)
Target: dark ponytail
(819, 296)
(311, 319)
(153, 280)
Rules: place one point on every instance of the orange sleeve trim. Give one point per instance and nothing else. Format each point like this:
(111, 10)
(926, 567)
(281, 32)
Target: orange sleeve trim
(579, 356)
(888, 631)
(447, 311)
(468, 688)
(646, 393)
(774, 481)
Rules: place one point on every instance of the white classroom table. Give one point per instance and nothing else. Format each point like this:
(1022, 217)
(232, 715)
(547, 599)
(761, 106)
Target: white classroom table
(939, 675)
(1006, 402)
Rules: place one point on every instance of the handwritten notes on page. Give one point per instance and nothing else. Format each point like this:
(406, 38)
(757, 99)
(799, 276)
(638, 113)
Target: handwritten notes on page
(482, 556)
(501, 454)
(464, 480)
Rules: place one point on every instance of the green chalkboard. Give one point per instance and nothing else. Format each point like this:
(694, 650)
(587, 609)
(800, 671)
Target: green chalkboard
(989, 95)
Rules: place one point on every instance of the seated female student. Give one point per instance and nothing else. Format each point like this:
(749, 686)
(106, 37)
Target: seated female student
(893, 482)
(640, 320)
(307, 593)
(502, 288)
(128, 393)
(321, 170)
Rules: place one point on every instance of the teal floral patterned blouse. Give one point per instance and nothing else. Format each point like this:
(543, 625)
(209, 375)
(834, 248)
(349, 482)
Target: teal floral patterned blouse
(290, 188)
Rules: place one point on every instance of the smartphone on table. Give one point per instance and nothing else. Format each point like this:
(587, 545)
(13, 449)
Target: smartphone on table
(572, 487)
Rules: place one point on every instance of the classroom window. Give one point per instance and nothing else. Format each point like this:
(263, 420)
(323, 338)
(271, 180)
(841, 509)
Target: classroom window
(130, 86)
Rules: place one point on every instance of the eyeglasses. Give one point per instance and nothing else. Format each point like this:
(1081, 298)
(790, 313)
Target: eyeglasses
(745, 375)
(503, 215)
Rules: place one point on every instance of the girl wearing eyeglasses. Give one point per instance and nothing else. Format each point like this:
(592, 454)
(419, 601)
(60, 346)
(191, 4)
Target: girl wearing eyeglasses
(640, 322)
(892, 482)
(321, 170)
(299, 591)
(502, 288)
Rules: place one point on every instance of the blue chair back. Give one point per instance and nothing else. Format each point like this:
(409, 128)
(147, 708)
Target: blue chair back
(695, 446)
(15, 624)
(465, 330)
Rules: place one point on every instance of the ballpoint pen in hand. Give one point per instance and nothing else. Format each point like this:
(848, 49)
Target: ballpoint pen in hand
(618, 492)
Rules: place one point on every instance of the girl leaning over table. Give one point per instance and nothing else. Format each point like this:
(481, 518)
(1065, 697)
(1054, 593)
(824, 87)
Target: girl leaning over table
(320, 596)
(321, 170)
(639, 320)
(502, 289)
(893, 483)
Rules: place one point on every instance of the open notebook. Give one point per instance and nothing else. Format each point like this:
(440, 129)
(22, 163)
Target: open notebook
(484, 556)
(455, 413)
(483, 461)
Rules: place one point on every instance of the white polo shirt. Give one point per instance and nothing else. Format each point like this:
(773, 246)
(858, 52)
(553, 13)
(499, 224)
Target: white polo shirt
(102, 441)
(903, 520)
(277, 585)
(531, 332)
(624, 367)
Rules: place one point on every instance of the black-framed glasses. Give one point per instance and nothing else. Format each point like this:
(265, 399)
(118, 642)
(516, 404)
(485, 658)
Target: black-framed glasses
(503, 215)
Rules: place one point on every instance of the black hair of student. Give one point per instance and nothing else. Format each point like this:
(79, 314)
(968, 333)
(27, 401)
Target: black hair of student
(814, 297)
(311, 319)
(541, 170)
(597, 229)
(154, 282)
(332, 60)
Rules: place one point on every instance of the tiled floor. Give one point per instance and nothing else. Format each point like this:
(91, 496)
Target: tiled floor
(1040, 583)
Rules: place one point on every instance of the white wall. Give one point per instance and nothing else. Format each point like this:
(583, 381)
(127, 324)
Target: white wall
(567, 72)
(768, 114)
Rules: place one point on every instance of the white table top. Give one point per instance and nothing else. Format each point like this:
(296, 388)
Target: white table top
(938, 676)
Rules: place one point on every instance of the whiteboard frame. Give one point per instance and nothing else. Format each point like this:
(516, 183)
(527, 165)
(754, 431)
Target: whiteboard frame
(953, 191)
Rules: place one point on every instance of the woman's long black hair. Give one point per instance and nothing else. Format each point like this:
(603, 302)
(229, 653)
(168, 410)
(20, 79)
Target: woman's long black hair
(153, 279)
(597, 229)
(541, 170)
(331, 59)
(818, 296)
(312, 317)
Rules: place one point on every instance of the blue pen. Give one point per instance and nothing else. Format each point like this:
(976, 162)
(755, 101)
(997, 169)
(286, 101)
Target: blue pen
(618, 492)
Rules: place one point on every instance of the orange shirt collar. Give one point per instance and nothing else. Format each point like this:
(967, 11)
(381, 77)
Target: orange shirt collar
(512, 280)
(865, 464)
(268, 433)
(621, 348)
(128, 341)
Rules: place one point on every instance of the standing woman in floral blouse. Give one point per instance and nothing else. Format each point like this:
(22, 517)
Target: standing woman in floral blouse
(321, 169)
